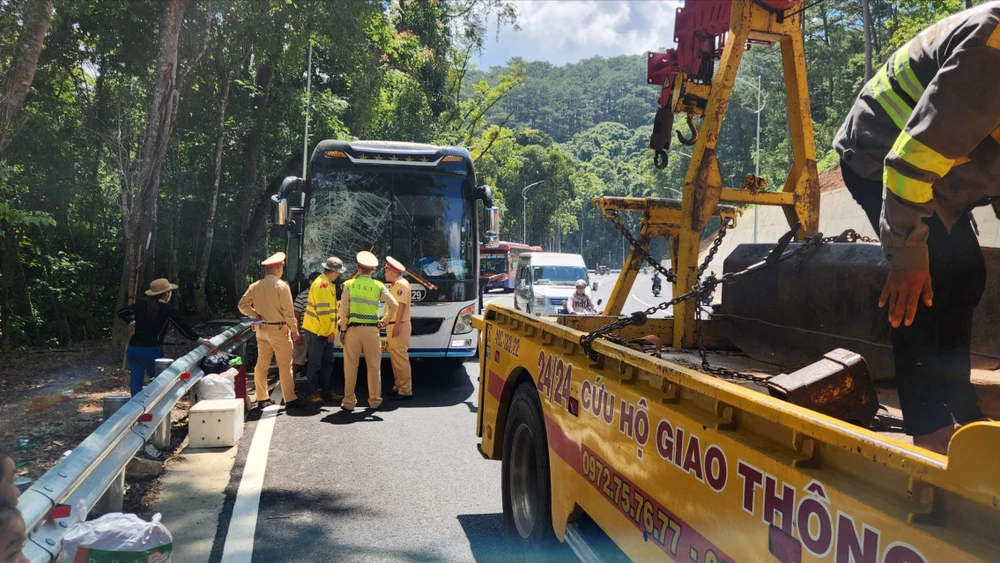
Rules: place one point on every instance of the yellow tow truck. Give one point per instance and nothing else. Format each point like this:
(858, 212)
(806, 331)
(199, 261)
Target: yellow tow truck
(620, 446)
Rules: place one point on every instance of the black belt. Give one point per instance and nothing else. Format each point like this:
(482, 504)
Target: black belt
(394, 322)
(267, 323)
(349, 325)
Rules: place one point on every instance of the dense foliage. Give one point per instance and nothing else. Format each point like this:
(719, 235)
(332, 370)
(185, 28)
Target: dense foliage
(77, 152)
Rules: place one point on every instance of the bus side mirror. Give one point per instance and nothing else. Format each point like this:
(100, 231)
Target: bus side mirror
(599, 301)
(485, 193)
(280, 200)
(492, 226)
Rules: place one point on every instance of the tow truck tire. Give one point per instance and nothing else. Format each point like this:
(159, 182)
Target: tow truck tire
(527, 493)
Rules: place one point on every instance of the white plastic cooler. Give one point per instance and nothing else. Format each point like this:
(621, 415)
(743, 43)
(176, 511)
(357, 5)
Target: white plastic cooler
(216, 423)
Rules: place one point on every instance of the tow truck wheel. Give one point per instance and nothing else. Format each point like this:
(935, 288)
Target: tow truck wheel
(527, 496)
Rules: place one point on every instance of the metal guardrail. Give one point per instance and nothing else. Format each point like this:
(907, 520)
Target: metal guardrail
(80, 478)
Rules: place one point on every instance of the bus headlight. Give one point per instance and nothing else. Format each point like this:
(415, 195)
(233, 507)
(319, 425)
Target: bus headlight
(463, 324)
(540, 301)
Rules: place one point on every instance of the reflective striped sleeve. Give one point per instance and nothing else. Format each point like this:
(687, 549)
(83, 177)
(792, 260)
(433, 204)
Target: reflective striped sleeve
(903, 233)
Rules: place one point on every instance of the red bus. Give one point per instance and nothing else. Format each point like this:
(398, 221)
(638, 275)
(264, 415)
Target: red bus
(498, 263)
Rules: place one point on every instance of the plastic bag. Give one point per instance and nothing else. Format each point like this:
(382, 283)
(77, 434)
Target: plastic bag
(117, 537)
(216, 386)
(217, 363)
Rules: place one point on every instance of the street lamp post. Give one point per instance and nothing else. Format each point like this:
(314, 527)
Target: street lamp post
(524, 212)
(760, 107)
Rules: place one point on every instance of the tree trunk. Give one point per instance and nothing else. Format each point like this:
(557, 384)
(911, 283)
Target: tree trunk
(867, 14)
(201, 277)
(257, 226)
(17, 79)
(139, 209)
(253, 178)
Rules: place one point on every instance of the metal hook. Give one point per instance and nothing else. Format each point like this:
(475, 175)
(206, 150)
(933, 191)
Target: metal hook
(660, 159)
(694, 132)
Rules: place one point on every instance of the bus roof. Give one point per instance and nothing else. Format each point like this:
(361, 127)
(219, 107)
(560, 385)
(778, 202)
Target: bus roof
(508, 246)
(342, 155)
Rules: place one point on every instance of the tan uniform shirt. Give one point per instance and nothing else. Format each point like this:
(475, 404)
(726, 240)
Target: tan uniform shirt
(400, 291)
(345, 306)
(271, 299)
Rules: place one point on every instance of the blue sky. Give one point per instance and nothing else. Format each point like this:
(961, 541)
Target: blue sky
(565, 31)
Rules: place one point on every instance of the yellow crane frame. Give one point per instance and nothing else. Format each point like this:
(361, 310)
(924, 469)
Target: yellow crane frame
(703, 190)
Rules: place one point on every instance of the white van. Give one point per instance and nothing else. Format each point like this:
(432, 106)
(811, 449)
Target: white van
(545, 280)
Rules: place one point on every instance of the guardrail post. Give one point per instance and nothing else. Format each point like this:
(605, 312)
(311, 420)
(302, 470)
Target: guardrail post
(161, 436)
(113, 498)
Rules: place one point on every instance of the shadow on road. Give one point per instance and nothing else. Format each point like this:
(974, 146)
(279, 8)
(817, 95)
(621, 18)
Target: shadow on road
(312, 541)
(486, 537)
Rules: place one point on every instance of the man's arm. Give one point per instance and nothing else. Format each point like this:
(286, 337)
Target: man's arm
(569, 306)
(390, 305)
(343, 310)
(955, 112)
(287, 308)
(246, 302)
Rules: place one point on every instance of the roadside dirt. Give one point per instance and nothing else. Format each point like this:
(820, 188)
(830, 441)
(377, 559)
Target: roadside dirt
(54, 399)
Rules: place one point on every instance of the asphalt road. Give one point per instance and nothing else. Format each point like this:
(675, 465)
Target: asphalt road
(404, 483)
(641, 297)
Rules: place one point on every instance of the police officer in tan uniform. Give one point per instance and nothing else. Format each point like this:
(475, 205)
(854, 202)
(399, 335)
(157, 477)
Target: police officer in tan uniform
(397, 329)
(269, 300)
(358, 322)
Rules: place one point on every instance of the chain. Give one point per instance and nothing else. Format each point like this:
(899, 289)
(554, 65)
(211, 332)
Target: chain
(698, 292)
(619, 226)
(850, 235)
(718, 371)
(702, 289)
(726, 223)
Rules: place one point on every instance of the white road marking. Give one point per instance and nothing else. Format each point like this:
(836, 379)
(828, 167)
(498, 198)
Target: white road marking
(243, 524)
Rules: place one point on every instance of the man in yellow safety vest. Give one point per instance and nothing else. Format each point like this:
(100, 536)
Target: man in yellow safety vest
(359, 333)
(919, 150)
(320, 326)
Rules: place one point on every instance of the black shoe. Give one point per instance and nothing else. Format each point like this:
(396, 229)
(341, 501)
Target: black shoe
(331, 397)
(296, 404)
(392, 393)
(261, 405)
(398, 397)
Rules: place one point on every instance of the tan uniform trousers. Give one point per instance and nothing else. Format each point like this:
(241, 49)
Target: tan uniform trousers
(399, 355)
(274, 340)
(358, 340)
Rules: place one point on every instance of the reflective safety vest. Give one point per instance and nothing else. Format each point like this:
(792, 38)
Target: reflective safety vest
(364, 294)
(320, 317)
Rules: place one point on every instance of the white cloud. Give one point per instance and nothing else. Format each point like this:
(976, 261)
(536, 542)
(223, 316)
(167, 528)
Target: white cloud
(562, 31)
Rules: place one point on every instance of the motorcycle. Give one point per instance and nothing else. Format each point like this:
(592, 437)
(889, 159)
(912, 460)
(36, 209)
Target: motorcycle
(656, 287)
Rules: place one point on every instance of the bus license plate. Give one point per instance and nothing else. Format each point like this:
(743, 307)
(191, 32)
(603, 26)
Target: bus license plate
(385, 346)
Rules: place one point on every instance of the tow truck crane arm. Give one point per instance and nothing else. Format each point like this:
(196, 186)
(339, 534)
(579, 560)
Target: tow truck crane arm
(700, 31)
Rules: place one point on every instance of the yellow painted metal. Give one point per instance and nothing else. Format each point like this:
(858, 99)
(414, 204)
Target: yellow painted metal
(703, 188)
(675, 464)
(660, 218)
(694, 468)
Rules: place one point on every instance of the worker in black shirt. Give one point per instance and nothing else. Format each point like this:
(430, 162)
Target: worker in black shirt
(149, 322)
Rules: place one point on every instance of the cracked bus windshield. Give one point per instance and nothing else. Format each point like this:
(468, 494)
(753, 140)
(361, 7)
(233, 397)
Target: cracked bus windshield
(423, 220)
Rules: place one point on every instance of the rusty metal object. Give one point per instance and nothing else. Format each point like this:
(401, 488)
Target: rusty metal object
(839, 385)
(797, 311)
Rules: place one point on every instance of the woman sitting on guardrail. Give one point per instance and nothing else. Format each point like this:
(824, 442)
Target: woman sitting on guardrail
(149, 324)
